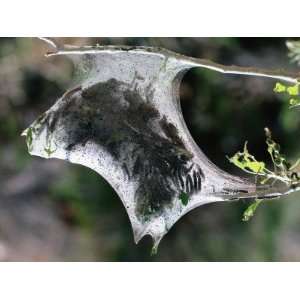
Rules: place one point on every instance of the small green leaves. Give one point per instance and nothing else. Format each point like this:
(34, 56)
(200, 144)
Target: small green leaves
(48, 149)
(279, 88)
(153, 250)
(292, 91)
(249, 212)
(28, 133)
(283, 171)
(294, 102)
(274, 150)
(247, 162)
(29, 137)
(184, 198)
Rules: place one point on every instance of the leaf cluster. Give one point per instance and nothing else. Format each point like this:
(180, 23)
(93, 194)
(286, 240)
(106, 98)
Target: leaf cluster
(283, 171)
(291, 91)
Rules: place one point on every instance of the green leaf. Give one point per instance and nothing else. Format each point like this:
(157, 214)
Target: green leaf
(249, 212)
(245, 161)
(294, 102)
(255, 166)
(274, 150)
(28, 133)
(293, 90)
(290, 90)
(49, 151)
(184, 198)
(153, 250)
(279, 88)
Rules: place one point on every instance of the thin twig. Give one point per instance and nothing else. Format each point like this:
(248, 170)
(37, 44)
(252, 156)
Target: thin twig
(278, 74)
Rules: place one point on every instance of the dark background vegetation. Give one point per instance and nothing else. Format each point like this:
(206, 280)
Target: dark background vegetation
(51, 210)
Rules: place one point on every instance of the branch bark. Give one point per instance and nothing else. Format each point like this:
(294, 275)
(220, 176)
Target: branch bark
(278, 74)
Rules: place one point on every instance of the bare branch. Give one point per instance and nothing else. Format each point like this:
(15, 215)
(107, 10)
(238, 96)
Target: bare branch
(278, 74)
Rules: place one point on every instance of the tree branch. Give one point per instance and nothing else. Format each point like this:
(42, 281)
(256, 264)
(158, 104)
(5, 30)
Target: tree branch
(279, 74)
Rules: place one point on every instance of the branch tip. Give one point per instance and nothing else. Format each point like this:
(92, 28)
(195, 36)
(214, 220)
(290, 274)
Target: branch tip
(50, 43)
